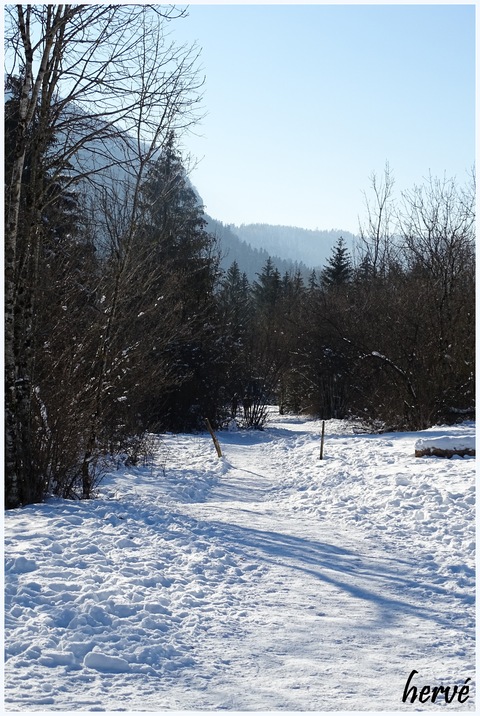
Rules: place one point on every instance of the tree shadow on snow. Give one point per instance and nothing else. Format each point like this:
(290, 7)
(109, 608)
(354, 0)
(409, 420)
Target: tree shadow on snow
(386, 583)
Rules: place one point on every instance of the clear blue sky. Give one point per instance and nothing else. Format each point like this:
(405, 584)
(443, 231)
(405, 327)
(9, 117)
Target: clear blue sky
(304, 102)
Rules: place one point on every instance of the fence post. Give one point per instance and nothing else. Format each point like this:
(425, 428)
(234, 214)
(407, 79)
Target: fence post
(214, 437)
(322, 441)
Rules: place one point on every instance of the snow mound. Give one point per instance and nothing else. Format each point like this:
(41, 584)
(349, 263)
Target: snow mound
(102, 662)
(23, 565)
(447, 442)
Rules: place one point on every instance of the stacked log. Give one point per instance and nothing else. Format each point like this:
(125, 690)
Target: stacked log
(461, 445)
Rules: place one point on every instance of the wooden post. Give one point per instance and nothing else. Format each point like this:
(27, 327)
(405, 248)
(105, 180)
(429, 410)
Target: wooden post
(214, 437)
(322, 441)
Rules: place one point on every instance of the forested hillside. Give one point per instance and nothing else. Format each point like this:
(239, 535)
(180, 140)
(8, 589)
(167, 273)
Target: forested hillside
(312, 247)
(250, 260)
(120, 321)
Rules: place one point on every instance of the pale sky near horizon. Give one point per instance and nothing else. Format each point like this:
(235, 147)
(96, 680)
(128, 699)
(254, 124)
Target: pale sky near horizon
(304, 102)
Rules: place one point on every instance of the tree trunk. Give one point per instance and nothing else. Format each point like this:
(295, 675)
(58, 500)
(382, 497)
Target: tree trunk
(18, 297)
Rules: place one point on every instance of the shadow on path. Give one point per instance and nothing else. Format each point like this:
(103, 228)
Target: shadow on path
(387, 584)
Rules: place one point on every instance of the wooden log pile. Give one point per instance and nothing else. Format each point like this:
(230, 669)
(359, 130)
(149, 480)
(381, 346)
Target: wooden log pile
(445, 447)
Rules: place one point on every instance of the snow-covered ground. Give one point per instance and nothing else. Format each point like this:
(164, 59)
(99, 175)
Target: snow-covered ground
(266, 580)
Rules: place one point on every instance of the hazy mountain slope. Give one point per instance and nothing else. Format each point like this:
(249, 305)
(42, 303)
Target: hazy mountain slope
(109, 163)
(250, 260)
(311, 247)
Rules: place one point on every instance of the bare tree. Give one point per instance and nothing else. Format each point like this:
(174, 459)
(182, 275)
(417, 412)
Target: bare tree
(416, 324)
(436, 223)
(99, 86)
(437, 231)
(377, 241)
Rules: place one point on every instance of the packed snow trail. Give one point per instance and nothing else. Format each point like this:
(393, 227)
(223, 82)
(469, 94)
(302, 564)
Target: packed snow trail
(334, 622)
(266, 580)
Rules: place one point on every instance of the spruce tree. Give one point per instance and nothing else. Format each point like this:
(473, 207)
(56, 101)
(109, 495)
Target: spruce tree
(235, 310)
(267, 290)
(338, 270)
(234, 299)
(178, 264)
(56, 271)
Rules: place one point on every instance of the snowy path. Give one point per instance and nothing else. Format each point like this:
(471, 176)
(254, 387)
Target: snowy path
(266, 580)
(333, 622)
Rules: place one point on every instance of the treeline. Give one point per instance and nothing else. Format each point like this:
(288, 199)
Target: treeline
(119, 321)
(387, 337)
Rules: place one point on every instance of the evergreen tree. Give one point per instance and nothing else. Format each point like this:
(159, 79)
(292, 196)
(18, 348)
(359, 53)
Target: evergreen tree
(56, 272)
(235, 310)
(265, 357)
(267, 290)
(338, 271)
(234, 299)
(312, 281)
(179, 264)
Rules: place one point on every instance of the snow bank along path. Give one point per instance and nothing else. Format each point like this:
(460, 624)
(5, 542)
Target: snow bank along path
(265, 580)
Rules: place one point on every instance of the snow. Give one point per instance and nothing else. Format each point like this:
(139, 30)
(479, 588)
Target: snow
(265, 580)
(447, 442)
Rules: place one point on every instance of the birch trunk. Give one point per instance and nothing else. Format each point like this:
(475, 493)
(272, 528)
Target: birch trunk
(18, 297)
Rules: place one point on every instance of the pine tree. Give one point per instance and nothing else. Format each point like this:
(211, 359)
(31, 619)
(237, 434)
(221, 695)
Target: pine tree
(235, 309)
(179, 264)
(265, 358)
(338, 271)
(267, 290)
(54, 275)
(312, 281)
(234, 300)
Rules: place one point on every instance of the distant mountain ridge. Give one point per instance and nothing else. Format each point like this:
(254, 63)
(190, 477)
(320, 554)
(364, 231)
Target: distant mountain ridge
(307, 246)
(290, 248)
(250, 259)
